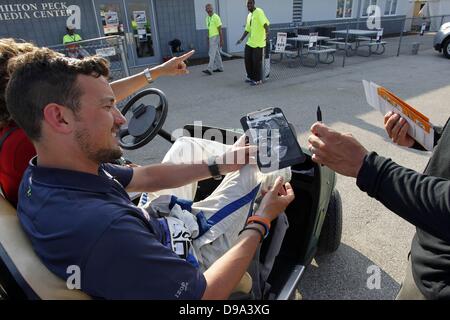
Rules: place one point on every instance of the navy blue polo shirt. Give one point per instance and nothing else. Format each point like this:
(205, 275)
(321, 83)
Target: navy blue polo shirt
(76, 218)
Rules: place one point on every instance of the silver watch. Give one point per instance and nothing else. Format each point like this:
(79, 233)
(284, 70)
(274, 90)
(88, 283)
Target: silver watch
(148, 75)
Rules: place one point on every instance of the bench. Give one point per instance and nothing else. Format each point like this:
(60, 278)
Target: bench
(282, 48)
(318, 52)
(340, 44)
(363, 39)
(380, 48)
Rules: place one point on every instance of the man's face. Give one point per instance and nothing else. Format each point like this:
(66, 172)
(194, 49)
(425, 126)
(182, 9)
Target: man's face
(250, 5)
(70, 31)
(98, 120)
(209, 10)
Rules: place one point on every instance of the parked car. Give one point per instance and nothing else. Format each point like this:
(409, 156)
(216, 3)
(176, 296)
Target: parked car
(442, 40)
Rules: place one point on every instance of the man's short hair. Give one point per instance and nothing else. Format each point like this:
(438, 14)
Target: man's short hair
(9, 48)
(42, 77)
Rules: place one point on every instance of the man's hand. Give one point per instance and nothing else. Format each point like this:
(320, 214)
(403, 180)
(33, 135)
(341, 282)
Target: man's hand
(173, 67)
(397, 129)
(238, 42)
(238, 156)
(340, 152)
(276, 200)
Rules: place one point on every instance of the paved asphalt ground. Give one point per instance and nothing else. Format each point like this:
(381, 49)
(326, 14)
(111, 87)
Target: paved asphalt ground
(372, 235)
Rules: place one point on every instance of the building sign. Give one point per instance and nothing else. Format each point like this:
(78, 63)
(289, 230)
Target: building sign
(34, 10)
(106, 52)
(140, 17)
(112, 19)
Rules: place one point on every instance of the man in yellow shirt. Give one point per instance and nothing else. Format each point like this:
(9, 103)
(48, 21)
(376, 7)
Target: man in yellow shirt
(215, 40)
(69, 40)
(71, 36)
(257, 27)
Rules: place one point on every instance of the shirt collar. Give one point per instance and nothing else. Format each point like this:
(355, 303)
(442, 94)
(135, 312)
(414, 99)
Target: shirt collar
(68, 179)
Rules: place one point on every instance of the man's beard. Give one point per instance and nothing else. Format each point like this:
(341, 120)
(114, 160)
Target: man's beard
(99, 156)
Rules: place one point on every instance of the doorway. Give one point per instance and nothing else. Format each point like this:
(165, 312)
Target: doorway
(135, 21)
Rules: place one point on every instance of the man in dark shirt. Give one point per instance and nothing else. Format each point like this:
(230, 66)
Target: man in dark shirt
(75, 208)
(421, 199)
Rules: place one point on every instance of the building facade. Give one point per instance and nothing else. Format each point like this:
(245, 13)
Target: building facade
(149, 25)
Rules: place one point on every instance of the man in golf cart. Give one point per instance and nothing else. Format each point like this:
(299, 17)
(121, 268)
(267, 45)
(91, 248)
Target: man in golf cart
(75, 209)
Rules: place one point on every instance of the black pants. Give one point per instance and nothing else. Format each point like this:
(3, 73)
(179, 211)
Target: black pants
(253, 62)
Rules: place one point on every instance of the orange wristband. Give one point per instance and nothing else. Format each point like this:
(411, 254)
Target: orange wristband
(265, 221)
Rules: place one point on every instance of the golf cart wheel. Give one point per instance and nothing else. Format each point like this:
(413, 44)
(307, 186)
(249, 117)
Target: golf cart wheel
(446, 48)
(330, 236)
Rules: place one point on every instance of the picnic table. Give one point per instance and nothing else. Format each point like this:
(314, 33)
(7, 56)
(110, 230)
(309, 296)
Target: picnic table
(360, 38)
(314, 46)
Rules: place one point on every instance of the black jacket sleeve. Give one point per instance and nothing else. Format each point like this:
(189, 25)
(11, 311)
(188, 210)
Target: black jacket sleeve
(422, 200)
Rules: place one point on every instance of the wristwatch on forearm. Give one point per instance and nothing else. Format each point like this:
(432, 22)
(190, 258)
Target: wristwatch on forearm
(148, 75)
(214, 168)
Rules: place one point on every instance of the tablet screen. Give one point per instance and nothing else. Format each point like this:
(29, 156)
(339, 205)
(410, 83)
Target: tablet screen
(277, 144)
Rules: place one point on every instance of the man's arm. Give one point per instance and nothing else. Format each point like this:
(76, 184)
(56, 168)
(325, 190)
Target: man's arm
(422, 200)
(157, 177)
(219, 28)
(167, 176)
(242, 38)
(125, 87)
(224, 275)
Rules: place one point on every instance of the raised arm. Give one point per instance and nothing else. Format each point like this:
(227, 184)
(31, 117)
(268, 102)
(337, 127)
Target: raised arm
(422, 200)
(125, 87)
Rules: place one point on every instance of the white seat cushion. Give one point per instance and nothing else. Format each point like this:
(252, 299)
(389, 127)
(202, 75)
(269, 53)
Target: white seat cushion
(13, 239)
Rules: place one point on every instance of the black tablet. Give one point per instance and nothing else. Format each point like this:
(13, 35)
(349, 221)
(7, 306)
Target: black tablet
(277, 144)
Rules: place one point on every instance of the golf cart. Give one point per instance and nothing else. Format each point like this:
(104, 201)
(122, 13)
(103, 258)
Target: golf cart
(315, 218)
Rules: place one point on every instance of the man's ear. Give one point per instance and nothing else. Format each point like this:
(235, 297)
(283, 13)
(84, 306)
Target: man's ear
(59, 118)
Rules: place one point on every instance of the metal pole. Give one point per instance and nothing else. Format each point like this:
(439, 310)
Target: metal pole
(442, 21)
(346, 46)
(401, 37)
(123, 56)
(358, 14)
(263, 67)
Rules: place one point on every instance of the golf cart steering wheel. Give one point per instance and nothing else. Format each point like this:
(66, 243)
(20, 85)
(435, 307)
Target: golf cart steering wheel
(146, 122)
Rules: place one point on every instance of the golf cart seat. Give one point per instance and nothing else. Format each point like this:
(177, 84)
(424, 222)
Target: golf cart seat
(22, 274)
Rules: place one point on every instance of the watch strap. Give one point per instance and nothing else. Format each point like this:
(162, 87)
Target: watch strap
(214, 168)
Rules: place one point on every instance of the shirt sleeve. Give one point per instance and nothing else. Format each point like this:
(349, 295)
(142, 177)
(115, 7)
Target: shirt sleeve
(247, 23)
(422, 200)
(262, 18)
(218, 21)
(128, 262)
(123, 174)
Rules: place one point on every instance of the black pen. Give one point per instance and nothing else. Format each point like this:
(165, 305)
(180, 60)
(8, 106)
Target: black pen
(319, 114)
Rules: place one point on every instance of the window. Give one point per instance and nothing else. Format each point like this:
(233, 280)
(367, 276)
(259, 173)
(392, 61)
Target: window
(366, 5)
(344, 9)
(391, 8)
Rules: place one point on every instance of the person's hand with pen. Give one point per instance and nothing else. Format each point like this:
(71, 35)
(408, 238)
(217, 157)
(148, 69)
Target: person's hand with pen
(340, 152)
